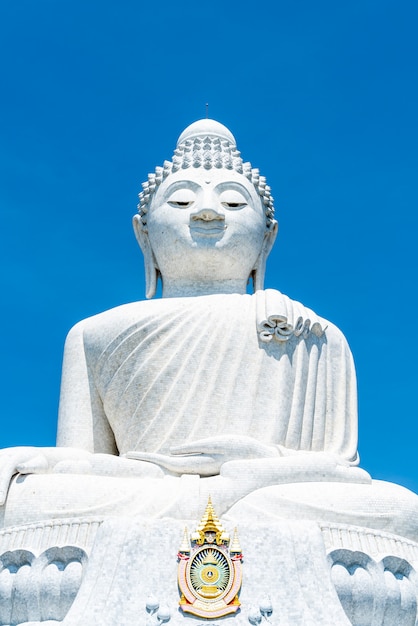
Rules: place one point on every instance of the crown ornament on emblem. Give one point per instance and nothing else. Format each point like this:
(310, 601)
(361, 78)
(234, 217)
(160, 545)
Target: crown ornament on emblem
(209, 569)
(210, 524)
(208, 144)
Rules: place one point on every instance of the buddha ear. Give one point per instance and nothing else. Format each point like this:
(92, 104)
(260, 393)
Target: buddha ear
(151, 270)
(259, 270)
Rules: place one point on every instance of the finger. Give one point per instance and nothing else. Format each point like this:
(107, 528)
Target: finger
(121, 466)
(8, 470)
(6, 475)
(36, 465)
(72, 467)
(211, 446)
(142, 469)
(9, 467)
(173, 464)
(204, 465)
(146, 456)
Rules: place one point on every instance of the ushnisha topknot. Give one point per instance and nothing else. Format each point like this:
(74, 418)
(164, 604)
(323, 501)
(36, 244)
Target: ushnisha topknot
(208, 144)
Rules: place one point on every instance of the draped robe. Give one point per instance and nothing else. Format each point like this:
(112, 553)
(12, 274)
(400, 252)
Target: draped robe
(169, 371)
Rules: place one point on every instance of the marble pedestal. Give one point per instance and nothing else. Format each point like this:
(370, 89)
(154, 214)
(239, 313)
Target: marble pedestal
(100, 572)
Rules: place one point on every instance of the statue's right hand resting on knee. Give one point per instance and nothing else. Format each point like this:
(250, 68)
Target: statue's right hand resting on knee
(33, 460)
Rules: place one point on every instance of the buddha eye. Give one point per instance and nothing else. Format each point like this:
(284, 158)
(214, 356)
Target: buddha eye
(181, 198)
(232, 199)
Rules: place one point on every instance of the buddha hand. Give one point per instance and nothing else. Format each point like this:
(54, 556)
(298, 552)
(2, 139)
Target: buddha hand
(28, 460)
(206, 456)
(63, 460)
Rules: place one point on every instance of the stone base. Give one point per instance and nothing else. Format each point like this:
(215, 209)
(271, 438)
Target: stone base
(95, 572)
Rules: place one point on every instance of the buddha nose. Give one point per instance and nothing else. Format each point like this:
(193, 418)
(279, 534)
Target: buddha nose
(207, 215)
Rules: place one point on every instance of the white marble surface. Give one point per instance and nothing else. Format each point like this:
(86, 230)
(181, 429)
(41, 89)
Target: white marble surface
(294, 558)
(303, 572)
(376, 505)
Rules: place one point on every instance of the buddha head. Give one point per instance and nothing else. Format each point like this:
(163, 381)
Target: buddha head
(205, 220)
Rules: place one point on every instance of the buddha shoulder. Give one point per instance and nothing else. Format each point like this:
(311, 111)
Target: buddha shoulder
(270, 311)
(104, 326)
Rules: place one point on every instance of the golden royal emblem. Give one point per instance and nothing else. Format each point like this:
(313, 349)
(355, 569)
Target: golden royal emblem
(209, 571)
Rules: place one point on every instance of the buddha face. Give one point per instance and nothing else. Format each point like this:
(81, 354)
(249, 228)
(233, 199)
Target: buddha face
(206, 223)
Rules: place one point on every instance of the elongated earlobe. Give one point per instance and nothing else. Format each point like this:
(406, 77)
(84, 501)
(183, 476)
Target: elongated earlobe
(259, 270)
(151, 270)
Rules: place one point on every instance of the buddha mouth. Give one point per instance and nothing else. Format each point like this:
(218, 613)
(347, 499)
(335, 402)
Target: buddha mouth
(204, 227)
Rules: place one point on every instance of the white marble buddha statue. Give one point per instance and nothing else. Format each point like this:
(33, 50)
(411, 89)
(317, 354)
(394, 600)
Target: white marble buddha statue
(251, 398)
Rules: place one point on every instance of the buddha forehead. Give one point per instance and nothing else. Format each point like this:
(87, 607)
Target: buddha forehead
(207, 183)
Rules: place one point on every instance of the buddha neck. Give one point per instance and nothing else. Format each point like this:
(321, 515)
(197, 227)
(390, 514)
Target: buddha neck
(186, 288)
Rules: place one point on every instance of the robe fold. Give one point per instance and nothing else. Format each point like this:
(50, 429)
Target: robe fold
(180, 369)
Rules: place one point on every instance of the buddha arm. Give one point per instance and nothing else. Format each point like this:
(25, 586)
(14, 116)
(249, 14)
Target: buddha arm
(82, 422)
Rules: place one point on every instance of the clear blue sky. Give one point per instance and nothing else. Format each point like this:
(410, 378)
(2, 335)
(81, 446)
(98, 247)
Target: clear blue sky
(321, 96)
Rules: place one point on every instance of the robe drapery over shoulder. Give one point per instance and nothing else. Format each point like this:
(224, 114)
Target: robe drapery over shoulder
(169, 371)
